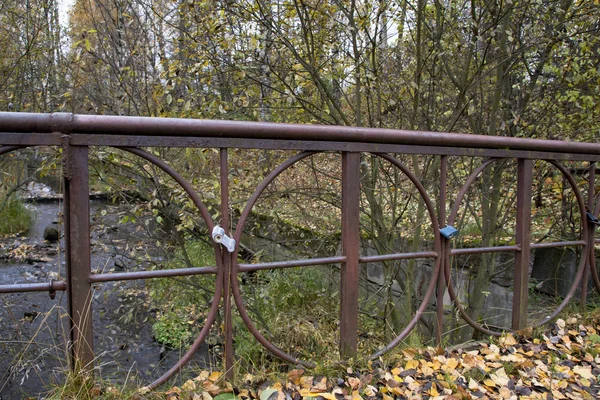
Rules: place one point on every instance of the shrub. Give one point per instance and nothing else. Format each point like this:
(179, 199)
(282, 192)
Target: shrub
(182, 303)
(15, 217)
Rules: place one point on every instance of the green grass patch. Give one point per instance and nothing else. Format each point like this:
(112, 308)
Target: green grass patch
(182, 303)
(15, 217)
(296, 310)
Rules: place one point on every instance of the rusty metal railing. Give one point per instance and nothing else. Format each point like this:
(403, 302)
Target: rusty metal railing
(76, 133)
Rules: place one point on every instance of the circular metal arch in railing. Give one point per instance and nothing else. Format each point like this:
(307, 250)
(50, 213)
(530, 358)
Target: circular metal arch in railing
(214, 307)
(583, 242)
(427, 297)
(437, 248)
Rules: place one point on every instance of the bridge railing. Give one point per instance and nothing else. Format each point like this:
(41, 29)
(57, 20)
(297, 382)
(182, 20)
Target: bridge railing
(75, 134)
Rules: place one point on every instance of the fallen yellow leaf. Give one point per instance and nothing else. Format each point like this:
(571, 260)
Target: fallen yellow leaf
(306, 382)
(452, 363)
(203, 376)
(508, 340)
(294, 376)
(505, 393)
(584, 372)
(189, 385)
(473, 384)
(215, 376)
(584, 382)
(319, 386)
(354, 383)
(489, 383)
(327, 396)
(433, 391)
(411, 364)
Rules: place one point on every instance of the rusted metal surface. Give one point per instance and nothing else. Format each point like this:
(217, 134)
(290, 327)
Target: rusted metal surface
(34, 287)
(350, 250)
(441, 288)
(147, 126)
(548, 245)
(300, 145)
(8, 149)
(159, 273)
(227, 267)
(291, 264)
(481, 250)
(78, 258)
(590, 227)
(54, 139)
(523, 233)
(75, 133)
(398, 256)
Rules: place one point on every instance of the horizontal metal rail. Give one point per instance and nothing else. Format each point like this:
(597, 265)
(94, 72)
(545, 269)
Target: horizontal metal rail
(291, 264)
(558, 244)
(66, 123)
(398, 256)
(159, 273)
(49, 139)
(34, 287)
(481, 250)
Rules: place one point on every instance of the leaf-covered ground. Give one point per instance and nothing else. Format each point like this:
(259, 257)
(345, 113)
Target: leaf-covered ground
(561, 363)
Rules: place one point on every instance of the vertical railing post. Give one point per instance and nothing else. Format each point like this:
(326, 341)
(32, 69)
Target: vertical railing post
(350, 249)
(441, 285)
(523, 236)
(227, 264)
(591, 228)
(77, 243)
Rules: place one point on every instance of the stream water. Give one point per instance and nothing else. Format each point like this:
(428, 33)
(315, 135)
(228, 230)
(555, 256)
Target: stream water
(34, 327)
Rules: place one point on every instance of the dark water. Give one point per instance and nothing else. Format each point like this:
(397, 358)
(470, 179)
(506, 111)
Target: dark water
(34, 328)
